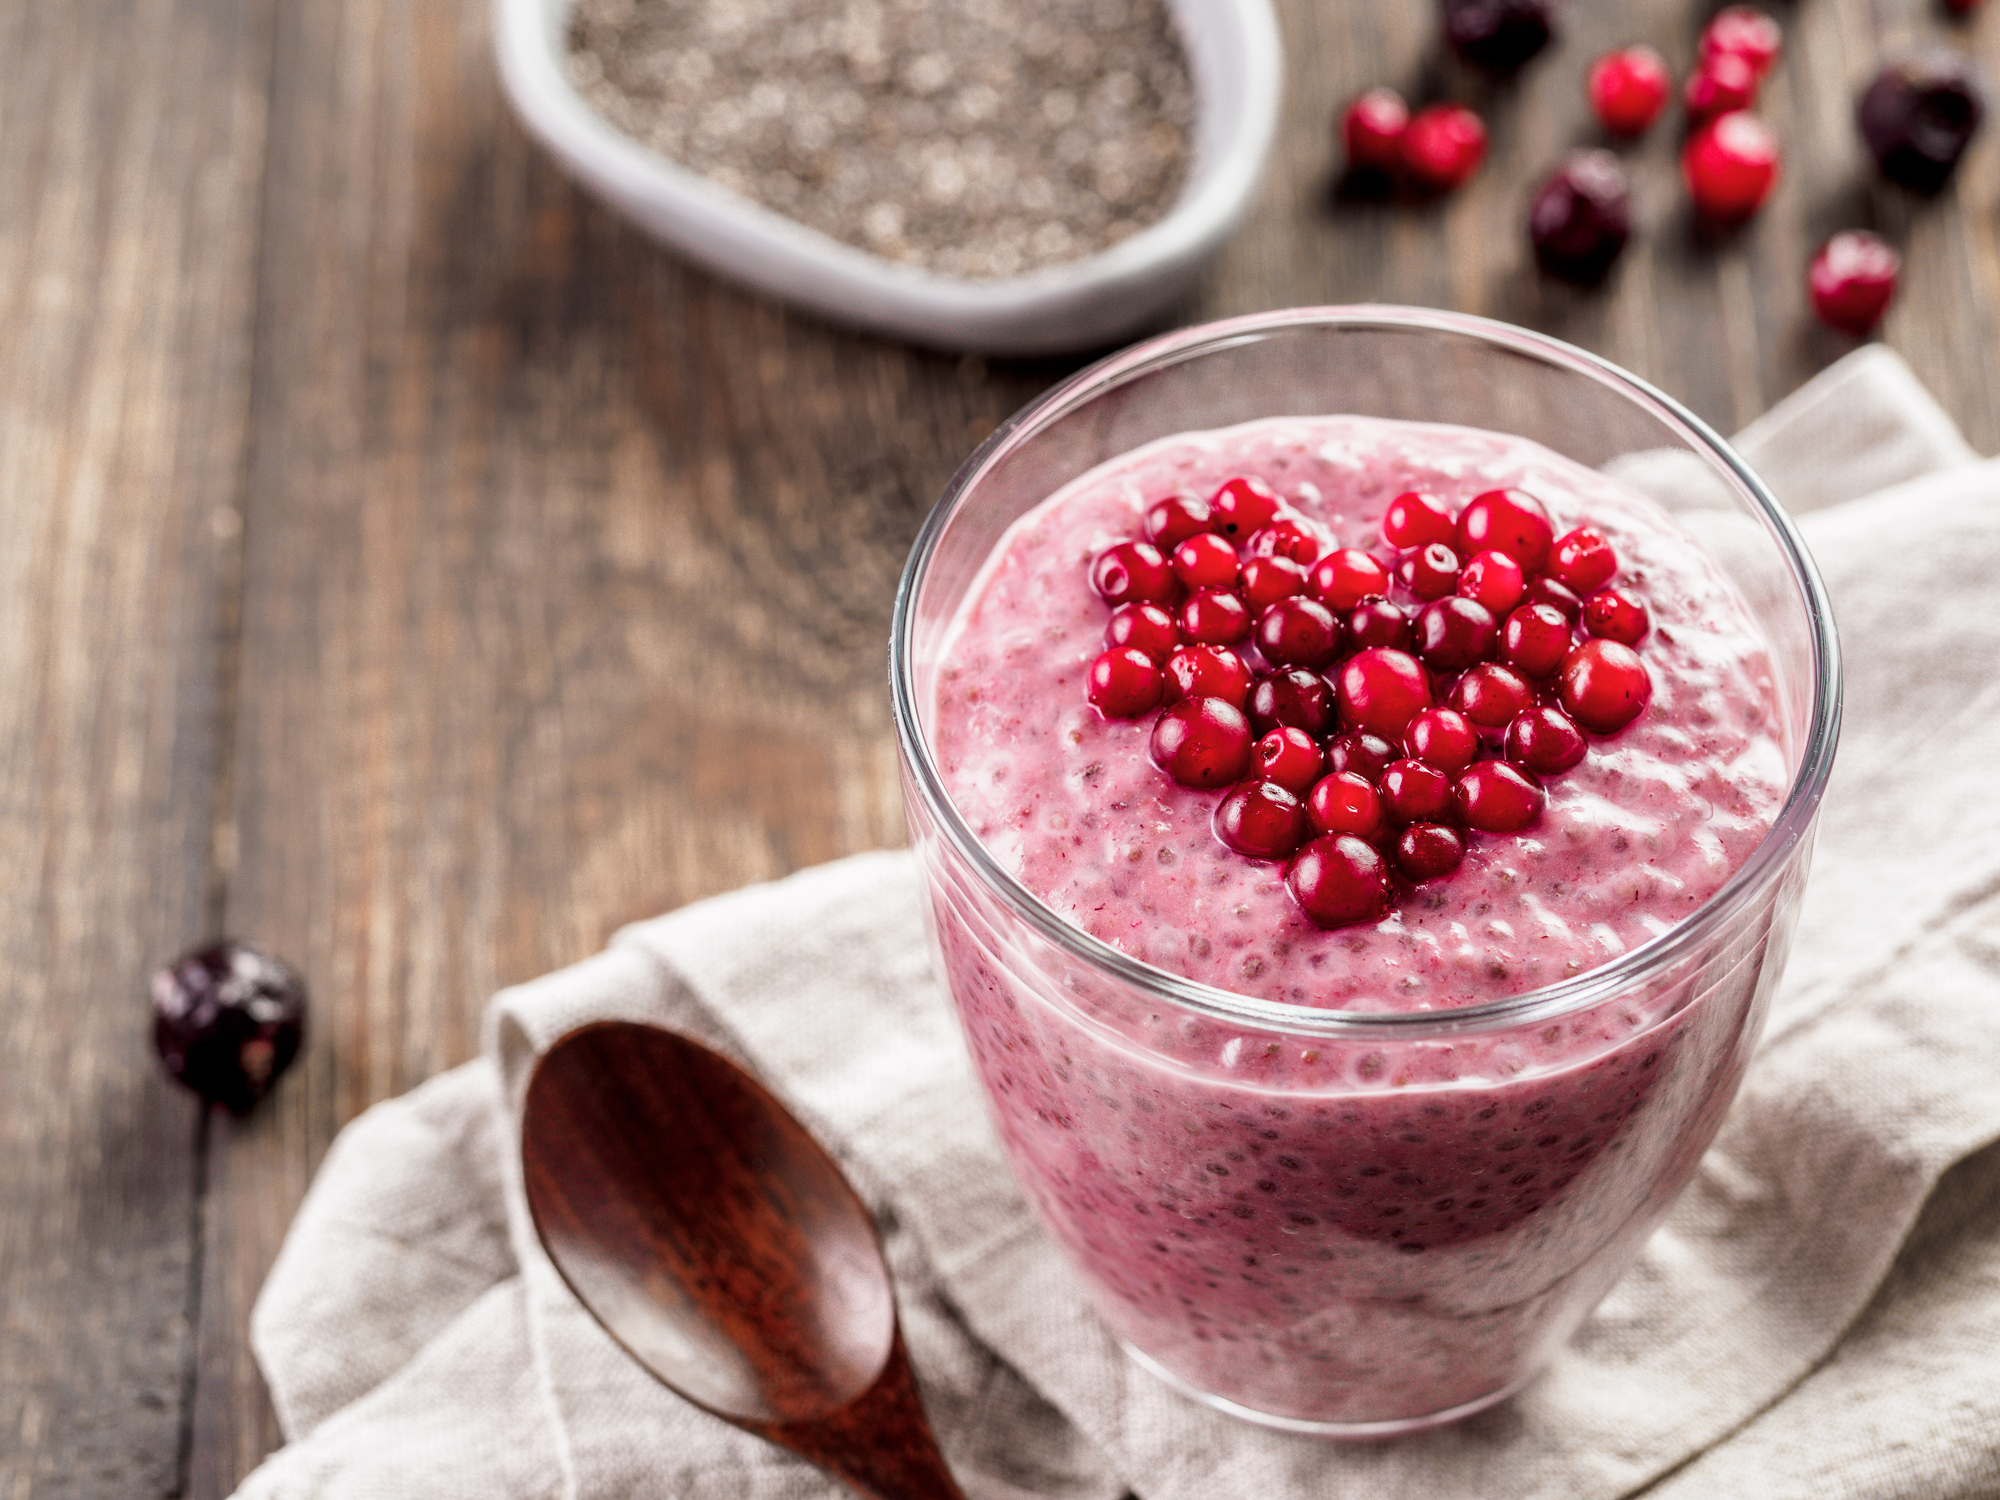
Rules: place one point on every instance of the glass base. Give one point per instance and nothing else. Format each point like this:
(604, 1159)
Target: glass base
(1351, 1431)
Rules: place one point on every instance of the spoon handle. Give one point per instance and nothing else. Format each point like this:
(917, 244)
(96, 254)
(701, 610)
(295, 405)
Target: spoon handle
(880, 1442)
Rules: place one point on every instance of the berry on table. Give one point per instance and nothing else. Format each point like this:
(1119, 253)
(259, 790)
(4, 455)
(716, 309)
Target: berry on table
(227, 1020)
(1918, 116)
(1499, 36)
(1261, 820)
(1202, 742)
(1444, 147)
(1371, 130)
(1731, 165)
(1743, 31)
(1582, 217)
(1338, 879)
(1852, 280)
(1722, 82)
(1124, 683)
(1628, 89)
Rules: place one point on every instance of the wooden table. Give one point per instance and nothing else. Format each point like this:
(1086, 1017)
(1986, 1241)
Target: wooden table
(409, 565)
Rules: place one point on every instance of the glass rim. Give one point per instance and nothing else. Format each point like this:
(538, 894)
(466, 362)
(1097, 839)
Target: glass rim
(1595, 986)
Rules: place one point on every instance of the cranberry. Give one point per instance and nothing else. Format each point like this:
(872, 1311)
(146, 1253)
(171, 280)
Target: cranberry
(1372, 130)
(1381, 691)
(1347, 802)
(1144, 627)
(1731, 165)
(1171, 521)
(1583, 560)
(1493, 579)
(1207, 672)
(1851, 281)
(1215, 618)
(1628, 89)
(1416, 519)
(1917, 117)
(1545, 590)
(1616, 616)
(1284, 538)
(1377, 622)
(1741, 31)
(1496, 796)
(1266, 580)
(1545, 740)
(1582, 217)
(1509, 521)
(1426, 851)
(1261, 820)
(1498, 35)
(1415, 793)
(1491, 695)
(1338, 879)
(1298, 633)
(1202, 743)
(227, 1020)
(1443, 147)
(1535, 639)
(1454, 633)
(1133, 573)
(1604, 686)
(1290, 757)
(1243, 507)
(1205, 562)
(1721, 83)
(1430, 572)
(1362, 753)
(1124, 683)
(1293, 698)
(1342, 579)
(1442, 737)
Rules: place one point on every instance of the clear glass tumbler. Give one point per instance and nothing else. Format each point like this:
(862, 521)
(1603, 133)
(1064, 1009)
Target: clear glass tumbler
(1276, 1276)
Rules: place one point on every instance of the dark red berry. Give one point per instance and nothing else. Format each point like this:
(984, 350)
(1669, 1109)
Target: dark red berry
(1744, 32)
(1545, 740)
(1430, 572)
(1171, 521)
(1298, 633)
(1342, 579)
(1442, 737)
(1207, 672)
(1124, 683)
(1493, 579)
(1496, 796)
(1206, 561)
(1133, 573)
(1381, 691)
(1583, 561)
(1731, 165)
(1443, 147)
(1293, 698)
(1416, 518)
(1377, 622)
(1852, 279)
(1628, 89)
(1338, 879)
(1261, 820)
(1491, 695)
(1604, 686)
(1918, 116)
(1202, 743)
(1346, 802)
(1413, 792)
(1284, 537)
(1543, 589)
(1535, 639)
(1362, 753)
(1266, 580)
(1144, 627)
(1290, 757)
(1722, 82)
(1455, 633)
(227, 1020)
(1616, 616)
(1581, 217)
(1498, 35)
(1426, 851)
(1215, 618)
(1243, 507)
(1509, 521)
(1371, 130)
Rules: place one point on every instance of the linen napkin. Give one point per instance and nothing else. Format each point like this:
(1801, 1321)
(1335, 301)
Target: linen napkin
(1819, 1316)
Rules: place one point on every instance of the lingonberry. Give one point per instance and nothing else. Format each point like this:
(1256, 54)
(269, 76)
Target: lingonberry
(1429, 572)
(1207, 672)
(1243, 507)
(1604, 686)
(1381, 691)
(1342, 579)
(1581, 218)
(1583, 560)
(1261, 820)
(1851, 281)
(1509, 521)
(1454, 633)
(1496, 796)
(1415, 793)
(1744, 32)
(1545, 740)
(1347, 802)
(1543, 589)
(1628, 89)
(1206, 561)
(1133, 573)
(1144, 627)
(1614, 615)
(1491, 695)
(1377, 622)
(1290, 757)
(1493, 579)
(1202, 742)
(1427, 851)
(1534, 640)
(1293, 698)
(227, 1020)
(1338, 879)
(1417, 518)
(1498, 35)
(1371, 131)
(1284, 537)
(1731, 165)
(1443, 147)
(1723, 82)
(1298, 633)
(1124, 683)
(1215, 618)
(1444, 738)
(1918, 116)
(1171, 521)
(1364, 754)
(1266, 580)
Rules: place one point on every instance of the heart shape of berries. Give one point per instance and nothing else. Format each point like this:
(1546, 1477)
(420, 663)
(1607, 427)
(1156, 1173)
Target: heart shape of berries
(1363, 716)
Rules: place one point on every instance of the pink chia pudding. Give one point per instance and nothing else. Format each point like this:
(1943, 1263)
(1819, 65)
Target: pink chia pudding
(1352, 1233)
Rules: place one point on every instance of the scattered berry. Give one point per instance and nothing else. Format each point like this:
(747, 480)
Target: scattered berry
(1372, 129)
(1499, 36)
(1290, 757)
(1428, 851)
(1444, 146)
(1381, 691)
(1207, 672)
(1294, 698)
(227, 1020)
(1918, 116)
(1723, 82)
(1628, 89)
(1582, 217)
(1261, 820)
(1442, 737)
(1124, 683)
(1496, 796)
(1416, 519)
(1338, 879)
(1133, 573)
(1744, 32)
(1509, 521)
(1347, 802)
(1545, 740)
(1604, 686)
(1202, 742)
(1616, 616)
(1852, 279)
(1731, 165)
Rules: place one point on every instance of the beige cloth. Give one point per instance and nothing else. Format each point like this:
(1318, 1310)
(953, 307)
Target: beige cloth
(1819, 1317)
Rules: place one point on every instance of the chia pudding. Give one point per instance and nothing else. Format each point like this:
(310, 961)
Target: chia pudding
(1372, 1228)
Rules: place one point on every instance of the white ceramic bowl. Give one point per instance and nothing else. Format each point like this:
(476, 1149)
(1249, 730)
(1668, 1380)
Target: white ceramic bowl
(1083, 304)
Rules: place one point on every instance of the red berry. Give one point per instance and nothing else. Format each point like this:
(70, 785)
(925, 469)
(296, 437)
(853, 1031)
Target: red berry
(1443, 146)
(1266, 580)
(1293, 698)
(1722, 82)
(1347, 802)
(1581, 217)
(1442, 737)
(1205, 562)
(1454, 633)
(1493, 579)
(1491, 695)
(1284, 538)
(1415, 793)
(1961, 7)
(1381, 691)
(1430, 572)
(1416, 519)
(1171, 521)
(1604, 686)
(1290, 757)
(1615, 616)
(227, 1020)
(1124, 683)
(1144, 627)
(1427, 851)
(1215, 618)
(1744, 32)
(1377, 622)
(1372, 130)
(1545, 590)
(1338, 879)
(1509, 521)
(1852, 279)
(1496, 796)
(1261, 820)
(1202, 743)
(1535, 639)
(1583, 561)
(1628, 89)
(1207, 672)
(1133, 573)
(1243, 507)
(1298, 633)
(1545, 740)
(1731, 165)
(1362, 753)
(1342, 579)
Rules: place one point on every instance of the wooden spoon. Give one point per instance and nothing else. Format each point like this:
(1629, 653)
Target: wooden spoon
(696, 1219)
